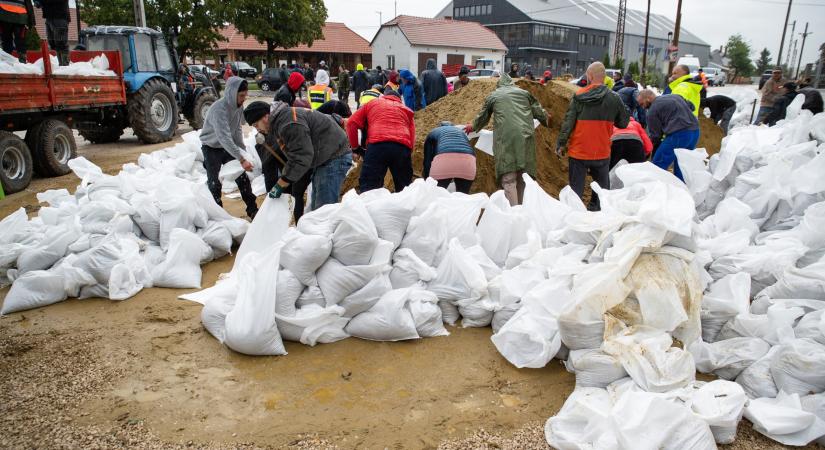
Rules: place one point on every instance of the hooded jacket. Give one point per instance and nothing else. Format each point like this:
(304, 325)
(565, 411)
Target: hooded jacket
(813, 100)
(433, 82)
(286, 93)
(222, 126)
(360, 81)
(513, 110)
(588, 124)
(780, 108)
(669, 114)
(634, 131)
(322, 77)
(386, 119)
(411, 91)
(308, 139)
(688, 89)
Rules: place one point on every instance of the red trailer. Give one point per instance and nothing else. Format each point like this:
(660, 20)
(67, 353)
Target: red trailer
(47, 107)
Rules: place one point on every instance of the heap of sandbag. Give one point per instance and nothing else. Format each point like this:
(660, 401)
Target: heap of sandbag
(152, 224)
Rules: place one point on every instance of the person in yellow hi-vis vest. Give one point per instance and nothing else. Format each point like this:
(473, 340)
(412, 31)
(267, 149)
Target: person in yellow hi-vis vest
(320, 92)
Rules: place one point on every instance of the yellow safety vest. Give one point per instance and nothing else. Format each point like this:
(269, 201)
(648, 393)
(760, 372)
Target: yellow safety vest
(318, 95)
(368, 96)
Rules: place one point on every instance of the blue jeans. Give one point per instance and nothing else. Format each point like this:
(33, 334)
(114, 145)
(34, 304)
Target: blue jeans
(764, 111)
(665, 155)
(327, 180)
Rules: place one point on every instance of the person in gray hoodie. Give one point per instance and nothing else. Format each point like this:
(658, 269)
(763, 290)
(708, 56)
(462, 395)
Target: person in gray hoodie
(222, 141)
(311, 141)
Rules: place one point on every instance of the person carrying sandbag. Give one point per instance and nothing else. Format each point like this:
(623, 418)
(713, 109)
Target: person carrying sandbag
(670, 116)
(514, 138)
(310, 140)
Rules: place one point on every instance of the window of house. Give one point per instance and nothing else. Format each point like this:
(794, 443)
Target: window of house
(582, 39)
(390, 61)
(603, 41)
(592, 39)
(456, 12)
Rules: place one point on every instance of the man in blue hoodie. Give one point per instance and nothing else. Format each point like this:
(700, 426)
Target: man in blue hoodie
(411, 91)
(222, 141)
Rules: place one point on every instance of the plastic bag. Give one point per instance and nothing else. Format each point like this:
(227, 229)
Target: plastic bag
(366, 297)
(783, 419)
(726, 298)
(391, 218)
(269, 226)
(427, 235)
(721, 405)
(288, 290)
(355, 237)
(53, 247)
(338, 281)
(583, 423)
(181, 268)
(728, 358)
(312, 295)
(423, 306)
(217, 236)
(387, 320)
(458, 277)
(757, 380)
(34, 289)
(313, 324)
(408, 269)
(799, 367)
(303, 254)
(594, 368)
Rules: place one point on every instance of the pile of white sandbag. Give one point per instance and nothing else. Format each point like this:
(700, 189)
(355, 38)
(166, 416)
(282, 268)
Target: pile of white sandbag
(96, 67)
(152, 224)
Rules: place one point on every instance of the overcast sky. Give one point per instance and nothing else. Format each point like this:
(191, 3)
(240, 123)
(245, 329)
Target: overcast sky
(759, 21)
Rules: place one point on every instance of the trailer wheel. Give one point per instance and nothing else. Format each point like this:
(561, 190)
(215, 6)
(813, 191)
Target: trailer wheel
(103, 135)
(15, 163)
(153, 112)
(52, 146)
(201, 108)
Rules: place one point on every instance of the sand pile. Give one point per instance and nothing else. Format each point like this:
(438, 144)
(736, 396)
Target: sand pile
(462, 106)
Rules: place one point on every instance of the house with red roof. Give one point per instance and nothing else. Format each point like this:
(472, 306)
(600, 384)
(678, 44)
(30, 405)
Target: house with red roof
(407, 42)
(340, 45)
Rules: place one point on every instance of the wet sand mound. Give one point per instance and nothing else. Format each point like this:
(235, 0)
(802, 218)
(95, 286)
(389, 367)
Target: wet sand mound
(462, 106)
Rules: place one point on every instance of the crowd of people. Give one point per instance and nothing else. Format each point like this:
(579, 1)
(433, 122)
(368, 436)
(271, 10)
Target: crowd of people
(316, 140)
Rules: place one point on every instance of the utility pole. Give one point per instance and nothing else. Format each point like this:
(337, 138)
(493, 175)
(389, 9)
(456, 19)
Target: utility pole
(784, 30)
(802, 49)
(140, 13)
(793, 57)
(618, 46)
(395, 8)
(790, 43)
(675, 42)
(647, 29)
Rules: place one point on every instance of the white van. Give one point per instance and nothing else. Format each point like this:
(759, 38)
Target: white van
(716, 77)
(692, 62)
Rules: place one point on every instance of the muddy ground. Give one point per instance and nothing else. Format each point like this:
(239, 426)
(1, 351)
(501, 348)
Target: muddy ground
(144, 373)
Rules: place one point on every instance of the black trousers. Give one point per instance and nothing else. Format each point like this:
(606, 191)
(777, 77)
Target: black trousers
(213, 159)
(461, 185)
(598, 169)
(382, 156)
(343, 96)
(629, 150)
(14, 38)
(57, 33)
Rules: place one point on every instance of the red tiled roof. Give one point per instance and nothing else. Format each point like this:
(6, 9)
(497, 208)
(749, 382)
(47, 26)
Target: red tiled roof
(337, 39)
(446, 33)
(40, 24)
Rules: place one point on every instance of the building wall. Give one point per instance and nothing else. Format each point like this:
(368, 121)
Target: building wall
(657, 51)
(470, 56)
(500, 11)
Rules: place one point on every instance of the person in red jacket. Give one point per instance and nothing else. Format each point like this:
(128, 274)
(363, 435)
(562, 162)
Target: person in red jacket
(390, 130)
(630, 144)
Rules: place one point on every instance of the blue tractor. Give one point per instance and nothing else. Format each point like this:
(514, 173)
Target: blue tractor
(150, 75)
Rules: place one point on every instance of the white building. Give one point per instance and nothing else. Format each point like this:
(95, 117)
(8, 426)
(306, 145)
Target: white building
(407, 42)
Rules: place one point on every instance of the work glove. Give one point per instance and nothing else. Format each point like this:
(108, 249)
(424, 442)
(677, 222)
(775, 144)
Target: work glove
(560, 151)
(276, 191)
(468, 128)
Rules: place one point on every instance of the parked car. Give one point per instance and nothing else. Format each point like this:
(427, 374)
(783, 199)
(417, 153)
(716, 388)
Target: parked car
(716, 77)
(272, 78)
(766, 75)
(206, 70)
(478, 73)
(243, 69)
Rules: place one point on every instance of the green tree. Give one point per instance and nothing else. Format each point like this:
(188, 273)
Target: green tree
(280, 23)
(619, 63)
(606, 61)
(107, 12)
(764, 61)
(739, 53)
(633, 69)
(32, 41)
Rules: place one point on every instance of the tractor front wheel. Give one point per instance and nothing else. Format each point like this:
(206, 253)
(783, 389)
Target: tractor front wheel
(201, 108)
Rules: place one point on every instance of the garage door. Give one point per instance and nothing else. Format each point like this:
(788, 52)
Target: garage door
(455, 59)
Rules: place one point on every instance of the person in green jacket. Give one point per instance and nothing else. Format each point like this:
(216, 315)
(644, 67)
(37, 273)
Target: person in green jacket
(682, 84)
(343, 84)
(514, 142)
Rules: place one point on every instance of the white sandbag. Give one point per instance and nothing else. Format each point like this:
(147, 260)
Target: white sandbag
(181, 268)
(516, 283)
(583, 423)
(463, 214)
(122, 283)
(726, 298)
(721, 405)
(491, 270)
(100, 259)
(794, 282)
(365, 298)
(355, 237)
(387, 320)
(449, 312)
(476, 313)
(391, 218)
(812, 326)
(799, 367)
(779, 319)
(269, 226)
(288, 291)
(34, 289)
(728, 358)
(524, 251)
(503, 315)
(54, 245)
(546, 212)
(783, 419)
(458, 277)
(218, 237)
(321, 222)
(147, 218)
(500, 229)
(338, 281)
(423, 306)
(178, 210)
(757, 380)
(250, 325)
(303, 254)
(577, 335)
(408, 269)
(649, 359)
(427, 235)
(312, 295)
(596, 289)
(313, 324)
(647, 421)
(594, 368)
(217, 302)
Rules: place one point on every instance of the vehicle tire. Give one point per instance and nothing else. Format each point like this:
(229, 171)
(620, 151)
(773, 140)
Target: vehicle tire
(102, 135)
(52, 146)
(265, 86)
(15, 163)
(153, 112)
(199, 111)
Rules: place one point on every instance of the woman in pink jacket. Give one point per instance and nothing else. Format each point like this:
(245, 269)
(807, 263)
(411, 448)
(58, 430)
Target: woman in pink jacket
(631, 144)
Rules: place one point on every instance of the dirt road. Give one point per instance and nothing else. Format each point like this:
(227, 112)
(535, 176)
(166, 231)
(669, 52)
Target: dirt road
(143, 373)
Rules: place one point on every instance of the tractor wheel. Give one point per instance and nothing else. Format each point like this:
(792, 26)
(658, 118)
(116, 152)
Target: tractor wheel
(52, 146)
(201, 108)
(153, 112)
(104, 134)
(15, 163)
